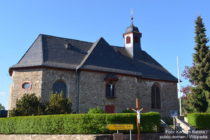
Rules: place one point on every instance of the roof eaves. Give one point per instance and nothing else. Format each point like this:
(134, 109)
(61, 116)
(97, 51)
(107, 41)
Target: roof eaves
(109, 70)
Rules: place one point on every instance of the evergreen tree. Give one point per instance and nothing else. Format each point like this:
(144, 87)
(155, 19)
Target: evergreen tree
(196, 101)
(199, 73)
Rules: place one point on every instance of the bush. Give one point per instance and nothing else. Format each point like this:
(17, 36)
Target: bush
(30, 104)
(58, 104)
(75, 123)
(128, 111)
(95, 110)
(199, 120)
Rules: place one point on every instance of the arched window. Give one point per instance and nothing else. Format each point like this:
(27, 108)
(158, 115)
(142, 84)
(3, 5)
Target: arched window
(128, 39)
(59, 87)
(110, 90)
(155, 96)
(110, 81)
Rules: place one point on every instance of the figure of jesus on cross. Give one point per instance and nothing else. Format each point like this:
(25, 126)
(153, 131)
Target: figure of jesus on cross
(138, 117)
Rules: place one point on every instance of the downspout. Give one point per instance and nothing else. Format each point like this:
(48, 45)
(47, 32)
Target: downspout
(78, 74)
(78, 91)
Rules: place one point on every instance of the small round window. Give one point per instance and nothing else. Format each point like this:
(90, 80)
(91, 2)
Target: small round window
(26, 85)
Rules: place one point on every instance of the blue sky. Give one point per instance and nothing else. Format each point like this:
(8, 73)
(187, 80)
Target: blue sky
(167, 27)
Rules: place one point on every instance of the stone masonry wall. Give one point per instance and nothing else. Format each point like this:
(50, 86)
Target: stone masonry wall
(33, 76)
(92, 93)
(92, 89)
(145, 136)
(69, 77)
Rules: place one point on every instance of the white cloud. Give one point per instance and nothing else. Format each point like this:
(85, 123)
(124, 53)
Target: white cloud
(2, 93)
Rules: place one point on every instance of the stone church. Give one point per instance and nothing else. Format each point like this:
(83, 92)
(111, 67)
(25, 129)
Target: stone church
(95, 74)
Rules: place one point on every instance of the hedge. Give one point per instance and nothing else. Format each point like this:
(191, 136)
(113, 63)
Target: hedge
(76, 123)
(199, 120)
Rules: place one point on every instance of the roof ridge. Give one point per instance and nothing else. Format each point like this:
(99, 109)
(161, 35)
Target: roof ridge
(89, 52)
(65, 38)
(117, 46)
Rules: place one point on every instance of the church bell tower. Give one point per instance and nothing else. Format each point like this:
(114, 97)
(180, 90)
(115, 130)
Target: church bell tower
(132, 40)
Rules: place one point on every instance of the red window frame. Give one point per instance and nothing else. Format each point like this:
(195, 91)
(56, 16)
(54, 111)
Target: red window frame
(128, 39)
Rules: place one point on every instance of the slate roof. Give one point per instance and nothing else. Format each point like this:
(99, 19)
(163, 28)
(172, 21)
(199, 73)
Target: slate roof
(57, 52)
(132, 29)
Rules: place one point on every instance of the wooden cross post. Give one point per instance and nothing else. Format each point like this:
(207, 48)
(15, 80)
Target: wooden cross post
(138, 115)
(137, 118)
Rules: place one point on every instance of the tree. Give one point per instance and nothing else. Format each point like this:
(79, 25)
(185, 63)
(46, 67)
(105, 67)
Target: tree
(196, 101)
(198, 74)
(2, 107)
(29, 104)
(58, 104)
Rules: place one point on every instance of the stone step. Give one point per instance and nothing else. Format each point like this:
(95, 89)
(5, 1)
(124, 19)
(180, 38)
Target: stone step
(184, 126)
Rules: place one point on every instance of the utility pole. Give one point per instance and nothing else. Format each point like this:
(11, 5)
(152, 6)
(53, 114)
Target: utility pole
(178, 88)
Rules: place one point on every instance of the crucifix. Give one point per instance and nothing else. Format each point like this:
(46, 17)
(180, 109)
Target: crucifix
(138, 117)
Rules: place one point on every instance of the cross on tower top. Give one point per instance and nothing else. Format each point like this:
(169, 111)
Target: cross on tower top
(132, 16)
